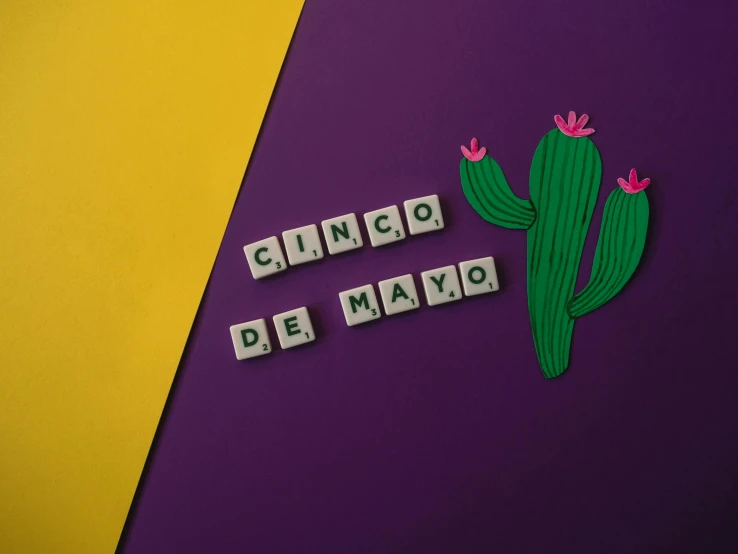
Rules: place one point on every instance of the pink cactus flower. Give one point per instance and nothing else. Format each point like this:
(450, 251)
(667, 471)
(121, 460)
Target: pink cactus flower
(633, 185)
(574, 127)
(476, 153)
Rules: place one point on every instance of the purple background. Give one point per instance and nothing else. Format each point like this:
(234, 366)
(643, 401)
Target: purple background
(435, 431)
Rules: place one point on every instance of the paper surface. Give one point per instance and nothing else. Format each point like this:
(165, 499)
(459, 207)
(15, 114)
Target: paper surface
(125, 130)
(433, 431)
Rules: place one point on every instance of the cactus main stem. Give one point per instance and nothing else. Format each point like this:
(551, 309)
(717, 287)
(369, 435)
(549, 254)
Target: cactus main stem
(564, 182)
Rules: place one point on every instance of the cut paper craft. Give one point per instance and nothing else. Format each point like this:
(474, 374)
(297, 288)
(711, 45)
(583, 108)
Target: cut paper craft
(633, 185)
(125, 131)
(475, 154)
(564, 183)
(574, 127)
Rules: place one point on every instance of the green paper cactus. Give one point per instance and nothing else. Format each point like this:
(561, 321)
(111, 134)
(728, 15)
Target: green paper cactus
(564, 183)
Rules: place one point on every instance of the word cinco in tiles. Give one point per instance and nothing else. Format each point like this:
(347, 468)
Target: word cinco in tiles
(342, 234)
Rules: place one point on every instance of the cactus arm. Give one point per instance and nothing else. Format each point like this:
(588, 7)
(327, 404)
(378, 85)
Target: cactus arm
(619, 249)
(486, 189)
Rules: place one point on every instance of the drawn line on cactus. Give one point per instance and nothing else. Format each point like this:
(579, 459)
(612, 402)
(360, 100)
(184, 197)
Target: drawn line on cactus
(581, 232)
(622, 211)
(559, 326)
(626, 268)
(587, 171)
(544, 145)
(560, 200)
(571, 230)
(630, 268)
(624, 214)
(481, 204)
(556, 272)
(540, 275)
(523, 208)
(579, 303)
(608, 258)
(541, 224)
(632, 211)
(492, 168)
(607, 282)
(570, 268)
(480, 192)
(559, 332)
(468, 185)
(486, 168)
(612, 285)
(605, 234)
(520, 216)
(573, 236)
(497, 197)
(610, 281)
(606, 243)
(563, 325)
(593, 175)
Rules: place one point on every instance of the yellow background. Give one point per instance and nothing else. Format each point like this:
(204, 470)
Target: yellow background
(125, 129)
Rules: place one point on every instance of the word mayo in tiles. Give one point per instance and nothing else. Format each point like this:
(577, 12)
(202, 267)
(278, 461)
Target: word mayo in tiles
(360, 304)
(342, 234)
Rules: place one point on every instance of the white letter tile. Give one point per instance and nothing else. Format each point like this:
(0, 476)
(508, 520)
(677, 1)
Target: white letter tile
(294, 328)
(479, 276)
(302, 244)
(441, 285)
(399, 294)
(424, 214)
(342, 233)
(359, 305)
(384, 226)
(265, 257)
(251, 339)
